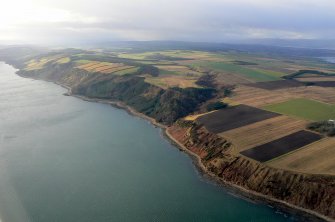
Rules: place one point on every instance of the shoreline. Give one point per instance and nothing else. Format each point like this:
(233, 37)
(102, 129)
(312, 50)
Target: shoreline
(196, 159)
(198, 163)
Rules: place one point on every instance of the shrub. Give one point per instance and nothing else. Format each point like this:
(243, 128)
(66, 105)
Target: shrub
(216, 106)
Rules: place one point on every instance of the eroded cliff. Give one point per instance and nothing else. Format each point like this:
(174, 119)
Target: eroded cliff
(312, 192)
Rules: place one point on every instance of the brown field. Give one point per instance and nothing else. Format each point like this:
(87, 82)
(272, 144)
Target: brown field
(277, 85)
(173, 68)
(88, 65)
(262, 132)
(35, 64)
(233, 117)
(116, 69)
(295, 68)
(172, 81)
(179, 69)
(316, 78)
(259, 97)
(103, 67)
(231, 79)
(316, 158)
(321, 94)
(284, 145)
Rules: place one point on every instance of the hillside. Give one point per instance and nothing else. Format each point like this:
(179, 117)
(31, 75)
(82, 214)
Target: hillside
(248, 117)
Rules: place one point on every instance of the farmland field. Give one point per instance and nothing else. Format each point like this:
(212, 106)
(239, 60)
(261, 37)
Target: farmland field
(63, 60)
(104, 67)
(36, 64)
(233, 117)
(304, 108)
(281, 146)
(325, 83)
(177, 70)
(262, 132)
(275, 85)
(258, 97)
(317, 158)
(253, 74)
(316, 78)
(172, 81)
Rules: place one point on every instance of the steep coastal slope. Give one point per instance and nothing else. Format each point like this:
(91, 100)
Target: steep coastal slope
(168, 105)
(312, 192)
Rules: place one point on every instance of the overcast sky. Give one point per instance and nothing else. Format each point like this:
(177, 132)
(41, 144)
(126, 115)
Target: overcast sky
(71, 21)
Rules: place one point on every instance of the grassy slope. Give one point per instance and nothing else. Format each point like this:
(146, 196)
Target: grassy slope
(304, 108)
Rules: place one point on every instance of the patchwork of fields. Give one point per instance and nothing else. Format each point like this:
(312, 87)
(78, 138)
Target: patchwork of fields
(304, 108)
(233, 117)
(280, 141)
(256, 74)
(258, 97)
(262, 132)
(317, 158)
(106, 67)
(281, 146)
(268, 109)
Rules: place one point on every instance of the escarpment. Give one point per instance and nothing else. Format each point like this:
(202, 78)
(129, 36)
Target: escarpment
(164, 105)
(312, 192)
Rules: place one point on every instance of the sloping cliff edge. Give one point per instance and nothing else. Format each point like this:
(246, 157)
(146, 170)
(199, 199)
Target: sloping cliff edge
(313, 194)
(310, 193)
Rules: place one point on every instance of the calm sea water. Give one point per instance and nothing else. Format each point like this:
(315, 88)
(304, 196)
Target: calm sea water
(66, 160)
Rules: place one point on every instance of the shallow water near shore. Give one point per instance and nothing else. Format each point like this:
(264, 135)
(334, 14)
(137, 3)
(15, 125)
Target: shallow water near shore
(64, 159)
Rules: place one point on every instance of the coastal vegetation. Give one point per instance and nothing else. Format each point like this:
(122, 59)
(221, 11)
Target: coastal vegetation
(225, 107)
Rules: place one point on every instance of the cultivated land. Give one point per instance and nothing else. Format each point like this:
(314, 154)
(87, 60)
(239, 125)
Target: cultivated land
(258, 97)
(275, 85)
(233, 117)
(281, 146)
(255, 74)
(304, 108)
(262, 132)
(260, 135)
(316, 158)
(104, 67)
(257, 83)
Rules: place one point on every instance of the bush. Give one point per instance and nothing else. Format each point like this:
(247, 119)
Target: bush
(216, 106)
(324, 127)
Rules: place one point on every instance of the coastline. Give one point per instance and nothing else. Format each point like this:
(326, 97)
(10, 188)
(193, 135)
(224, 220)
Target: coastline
(197, 161)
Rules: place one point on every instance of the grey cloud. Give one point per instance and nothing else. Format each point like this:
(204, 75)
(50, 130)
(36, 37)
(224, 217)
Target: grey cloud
(197, 20)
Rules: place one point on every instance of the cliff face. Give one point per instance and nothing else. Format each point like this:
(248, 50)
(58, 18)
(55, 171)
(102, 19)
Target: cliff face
(307, 191)
(164, 105)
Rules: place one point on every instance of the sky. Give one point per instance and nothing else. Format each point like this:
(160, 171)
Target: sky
(84, 21)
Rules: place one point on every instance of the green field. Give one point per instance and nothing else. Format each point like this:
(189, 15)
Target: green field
(305, 109)
(253, 74)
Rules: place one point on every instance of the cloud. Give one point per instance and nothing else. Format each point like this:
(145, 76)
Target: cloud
(50, 21)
